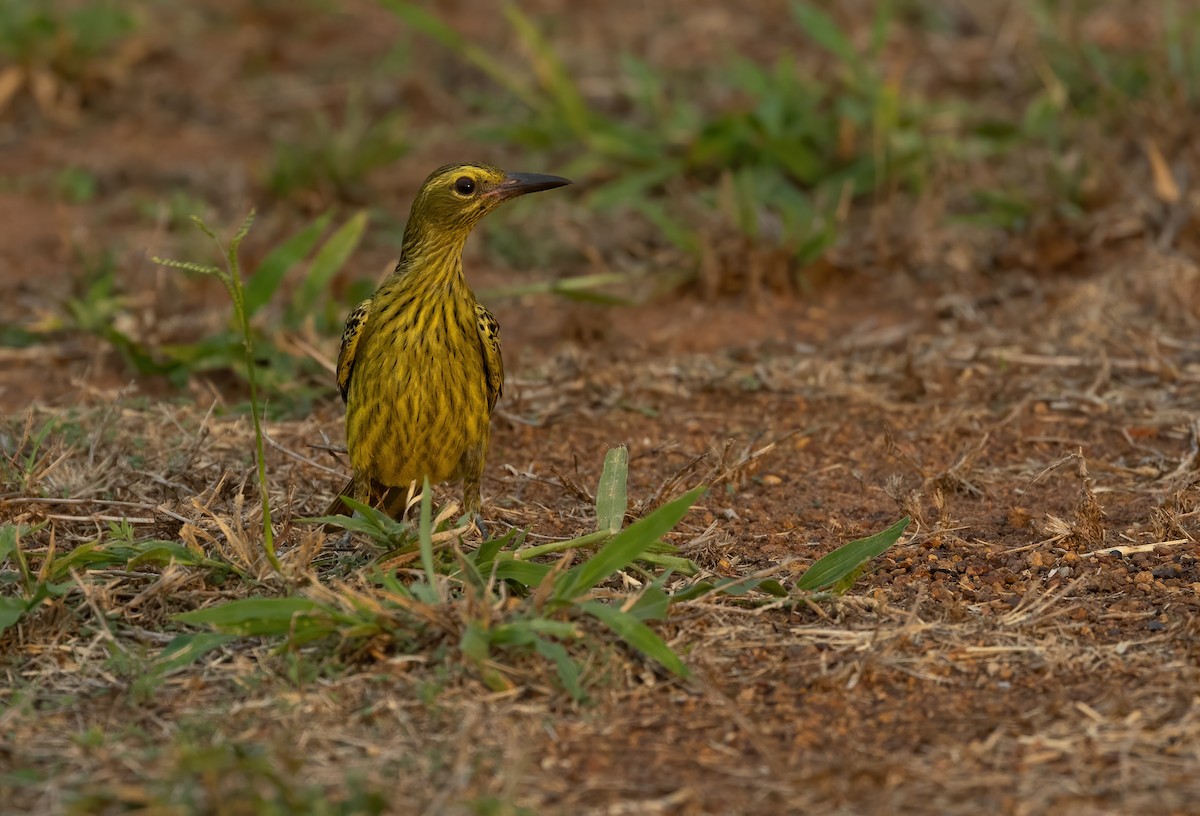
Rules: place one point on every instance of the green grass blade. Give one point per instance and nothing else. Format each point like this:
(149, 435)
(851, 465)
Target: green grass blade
(653, 603)
(183, 650)
(733, 587)
(84, 557)
(568, 669)
(580, 287)
(468, 573)
(483, 557)
(826, 33)
(846, 561)
(637, 635)
(425, 531)
(330, 258)
(252, 616)
(611, 499)
(431, 26)
(521, 632)
(567, 97)
(525, 573)
(162, 553)
(354, 524)
(382, 528)
(624, 548)
(10, 541)
(881, 23)
(270, 273)
(475, 642)
(428, 591)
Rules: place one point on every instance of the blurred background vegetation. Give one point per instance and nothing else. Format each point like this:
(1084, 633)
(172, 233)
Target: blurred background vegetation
(719, 150)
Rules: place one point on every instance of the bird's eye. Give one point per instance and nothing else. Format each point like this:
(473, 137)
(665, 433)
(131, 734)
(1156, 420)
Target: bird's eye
(464, 186)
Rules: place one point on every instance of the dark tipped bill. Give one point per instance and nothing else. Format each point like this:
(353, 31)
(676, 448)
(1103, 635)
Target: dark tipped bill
(517, 184)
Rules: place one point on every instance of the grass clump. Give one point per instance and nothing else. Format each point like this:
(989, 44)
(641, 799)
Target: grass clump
(61, 37)
(504, 600)
(767, 175)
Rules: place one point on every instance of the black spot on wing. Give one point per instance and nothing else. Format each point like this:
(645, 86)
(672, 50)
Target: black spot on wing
(351, 334)
(493, 361)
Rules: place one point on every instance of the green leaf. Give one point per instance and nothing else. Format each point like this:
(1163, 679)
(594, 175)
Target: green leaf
(8, 540)
(329, 260)
(10, 535)
(384, 530)
(568, 100)
(847, 560)
(430, 25)
(881, 23)
(580, 287)
(86, 556)
(483, 557)
(11, 611)
(568, 669)
(253, 616)
(270, 273)
(611, 499)
(772, 587)
(734, 587)
(49, 589)
(475, 642)
(637, 635)
(183, 650)
(624, 548)
(162, 553)
(525, 573)
(674, 563)
(653, 603)
(825, 32)
(470, 573)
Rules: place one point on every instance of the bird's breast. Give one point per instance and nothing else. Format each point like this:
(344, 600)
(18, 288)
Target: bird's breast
(418, 404)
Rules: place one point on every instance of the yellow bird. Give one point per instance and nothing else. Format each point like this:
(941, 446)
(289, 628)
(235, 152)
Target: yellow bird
(420, 368)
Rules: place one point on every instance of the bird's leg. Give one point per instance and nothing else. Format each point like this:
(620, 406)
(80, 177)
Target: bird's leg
(473, 504)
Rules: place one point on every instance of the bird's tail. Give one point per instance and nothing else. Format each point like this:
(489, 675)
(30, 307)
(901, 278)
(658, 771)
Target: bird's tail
(338, 506)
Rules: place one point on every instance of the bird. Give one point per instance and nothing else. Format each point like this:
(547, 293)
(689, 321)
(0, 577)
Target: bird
(420, 368)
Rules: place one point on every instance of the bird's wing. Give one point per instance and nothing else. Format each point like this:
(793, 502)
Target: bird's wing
(493, 362)
(355, 324)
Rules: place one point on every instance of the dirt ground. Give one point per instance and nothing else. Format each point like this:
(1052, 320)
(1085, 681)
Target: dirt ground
(1031, 399)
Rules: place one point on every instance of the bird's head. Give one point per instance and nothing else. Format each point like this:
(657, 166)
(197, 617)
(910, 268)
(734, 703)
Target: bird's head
(455, 197)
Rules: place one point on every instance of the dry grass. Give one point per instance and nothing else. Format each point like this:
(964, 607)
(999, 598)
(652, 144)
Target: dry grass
(1000, 642)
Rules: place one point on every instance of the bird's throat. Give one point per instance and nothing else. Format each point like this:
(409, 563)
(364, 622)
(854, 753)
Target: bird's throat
(432, 259)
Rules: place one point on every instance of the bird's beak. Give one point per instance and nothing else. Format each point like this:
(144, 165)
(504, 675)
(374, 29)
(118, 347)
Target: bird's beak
(518, 184)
